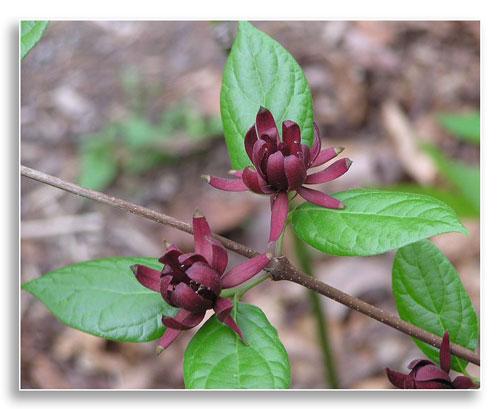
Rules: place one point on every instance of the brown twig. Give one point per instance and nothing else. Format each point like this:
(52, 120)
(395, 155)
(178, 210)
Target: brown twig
(281, 268)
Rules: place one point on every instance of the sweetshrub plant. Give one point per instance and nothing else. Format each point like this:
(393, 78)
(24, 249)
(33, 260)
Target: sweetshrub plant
(141, 299)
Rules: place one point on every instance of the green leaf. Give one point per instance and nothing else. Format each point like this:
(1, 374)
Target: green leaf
(463, 126)
(373, 222)
(457, 202)
(31, 34)
(260, 72)
(464, 177)
(102, 297)
(99, 163)
(217, 359)
(430, 295)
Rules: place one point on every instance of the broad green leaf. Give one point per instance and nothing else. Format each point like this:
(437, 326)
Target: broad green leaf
(430, 295)
(31, 33)
(102, 297)
(464, 177)
(463, 126)
(457, 202)
(99, 163)
(260, 72)
(217, 359)
(373, 222)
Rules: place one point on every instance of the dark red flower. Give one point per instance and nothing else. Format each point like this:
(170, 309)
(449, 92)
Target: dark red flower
(193, 281)
(280, 166)
(425, 374)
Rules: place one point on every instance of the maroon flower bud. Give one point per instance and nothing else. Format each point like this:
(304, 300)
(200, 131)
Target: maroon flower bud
(193, 281)
(280, 166)
(425, 374)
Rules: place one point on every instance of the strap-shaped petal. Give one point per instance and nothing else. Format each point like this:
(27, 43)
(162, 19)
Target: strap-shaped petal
(316, 147)
(276, 171)
(398, 379)
(245, 271)
(295, 172)
(431, 373)
(167, 338)
(185, 297)
(261, 151)
(201, 230)
(166, 288)
(279, 213)
(148, 277)
(266, 125)
(433, 385)
(250, 139)
(319, 198)
(204, 274)
(184, 320)
(463, 382)
(444, 353)
(255, 182)
(223, 308)
(229, 185)
(325, 155)
(332, 172)
(188, 259)
(218, 256)
(291, 136)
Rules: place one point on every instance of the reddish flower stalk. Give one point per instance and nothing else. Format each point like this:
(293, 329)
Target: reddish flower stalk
(425, 374)
(193, 281)
(280, 166)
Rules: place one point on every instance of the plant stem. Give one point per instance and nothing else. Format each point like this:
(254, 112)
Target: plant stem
(280, 268)
(325, 343)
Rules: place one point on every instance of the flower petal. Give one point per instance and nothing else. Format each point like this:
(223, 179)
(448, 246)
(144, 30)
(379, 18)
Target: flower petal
(276, 171)
(250, 139)
(166, 287)
(148, 277)
(295, 172)
(188, 259)
(463, 382)
(205, 275)
(291, 136)
(431, 373)
(444, 353)
(255, 182)
(184, 320)
(223, 308)
(325, 155)
(316, 147)
(245, 271)
(261, 151)
(230, 185)
(417, 363)
(266, 125)
(332, 172)
(218, 258)
(185, 297)
(279, 213)
(171, 256)
(167, 338)
(398, 379)
(201, 230)
(319, 198)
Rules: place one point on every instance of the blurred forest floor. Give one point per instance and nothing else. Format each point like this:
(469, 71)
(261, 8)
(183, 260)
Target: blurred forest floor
(377, 87)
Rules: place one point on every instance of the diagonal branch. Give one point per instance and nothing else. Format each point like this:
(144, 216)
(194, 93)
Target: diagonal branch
(280, 269)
